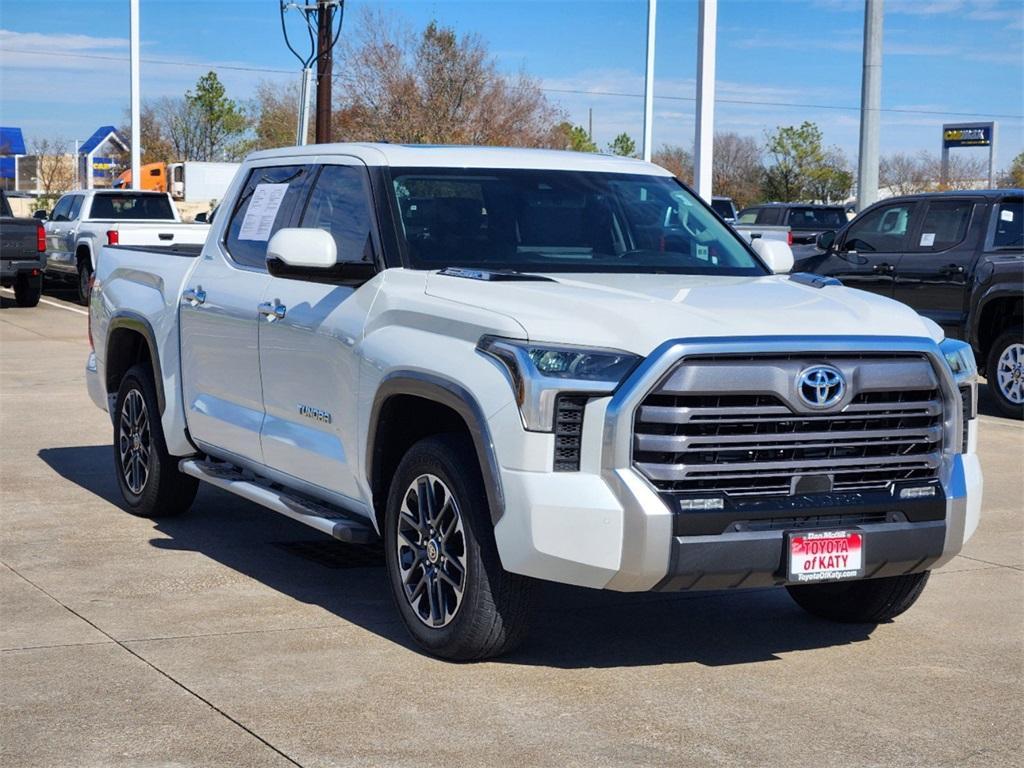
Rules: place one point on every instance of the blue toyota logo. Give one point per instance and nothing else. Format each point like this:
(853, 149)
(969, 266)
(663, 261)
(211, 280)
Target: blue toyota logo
(821, 386)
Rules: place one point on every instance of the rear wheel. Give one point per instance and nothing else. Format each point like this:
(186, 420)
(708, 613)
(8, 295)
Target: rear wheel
(27, 290)
(868, 601)
(1005, 369)
(84, 281)
(446, 578)
(149, 478)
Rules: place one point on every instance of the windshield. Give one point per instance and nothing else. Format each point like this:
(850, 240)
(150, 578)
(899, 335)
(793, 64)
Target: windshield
(561, 221)
(817, 218)
(131, 206)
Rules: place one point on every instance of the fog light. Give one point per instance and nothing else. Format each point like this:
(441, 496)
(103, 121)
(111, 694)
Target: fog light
(917, 493)
(700, 505)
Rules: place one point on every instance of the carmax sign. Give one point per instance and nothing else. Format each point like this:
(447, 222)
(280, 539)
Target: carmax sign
(966, 136)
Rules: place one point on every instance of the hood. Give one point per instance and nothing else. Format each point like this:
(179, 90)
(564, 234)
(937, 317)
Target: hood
(636, 313)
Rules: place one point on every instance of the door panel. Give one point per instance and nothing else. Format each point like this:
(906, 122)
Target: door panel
(932, 276)
(308, 357)
(220, 357)
(869, 252)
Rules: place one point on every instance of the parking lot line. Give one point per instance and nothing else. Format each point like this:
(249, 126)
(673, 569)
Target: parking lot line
(10, 293)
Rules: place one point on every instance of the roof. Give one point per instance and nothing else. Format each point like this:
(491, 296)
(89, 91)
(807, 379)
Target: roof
(798, 205)
(986, 193)
(99, 136)
(12, 142)
(437, 156)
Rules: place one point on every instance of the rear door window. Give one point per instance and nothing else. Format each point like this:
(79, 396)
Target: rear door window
(270, 200)
(945, 225)
(340, 204)
(1009, 225)
(882, 229)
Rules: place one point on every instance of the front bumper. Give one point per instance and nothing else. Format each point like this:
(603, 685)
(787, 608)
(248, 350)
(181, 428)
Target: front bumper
(608, 527)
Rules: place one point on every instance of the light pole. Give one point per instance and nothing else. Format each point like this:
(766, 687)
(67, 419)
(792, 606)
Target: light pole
(703, 144)
(136, 150)
(652, 12)
(870, 104)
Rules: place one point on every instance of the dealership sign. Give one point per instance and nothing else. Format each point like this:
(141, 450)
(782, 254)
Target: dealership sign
(966, 136)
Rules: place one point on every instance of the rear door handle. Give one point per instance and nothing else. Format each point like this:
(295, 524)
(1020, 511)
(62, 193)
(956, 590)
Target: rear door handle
(194, 297)
(883, 268)
(272, 310)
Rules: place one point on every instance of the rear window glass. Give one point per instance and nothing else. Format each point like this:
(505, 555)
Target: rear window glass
(1009, 220)
(724, 208)
(816, 218)
(945, 225)
(129, 206)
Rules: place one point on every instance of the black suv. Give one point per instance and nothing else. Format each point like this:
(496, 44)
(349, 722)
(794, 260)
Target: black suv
(955, 257)
(805, 221)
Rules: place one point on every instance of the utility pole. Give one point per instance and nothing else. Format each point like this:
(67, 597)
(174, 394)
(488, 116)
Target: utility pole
(133, 34)
(870, 105)
(324, 71)
(652, 13)
(704, 140)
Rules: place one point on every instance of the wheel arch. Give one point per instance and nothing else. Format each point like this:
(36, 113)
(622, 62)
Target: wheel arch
(424, 404)
(997, 313)
(130, 341)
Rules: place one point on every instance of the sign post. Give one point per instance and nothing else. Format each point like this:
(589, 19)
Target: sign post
(955, 135)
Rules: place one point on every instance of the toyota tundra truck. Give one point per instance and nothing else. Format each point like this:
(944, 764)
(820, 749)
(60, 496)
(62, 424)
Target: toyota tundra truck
(518, 365)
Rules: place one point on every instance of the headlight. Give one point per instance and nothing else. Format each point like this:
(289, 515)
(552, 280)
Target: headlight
(539, 372)
(960, 359)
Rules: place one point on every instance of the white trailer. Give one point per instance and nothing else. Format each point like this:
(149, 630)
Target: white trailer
(195, 182)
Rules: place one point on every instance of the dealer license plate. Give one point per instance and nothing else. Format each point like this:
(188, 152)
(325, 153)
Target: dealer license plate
(826, 555)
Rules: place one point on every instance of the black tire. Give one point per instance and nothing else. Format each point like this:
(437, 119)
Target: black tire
(490, 617)
(158, 489)
(84, 281)
(1006, 375)
(866, 601)
(27, 290)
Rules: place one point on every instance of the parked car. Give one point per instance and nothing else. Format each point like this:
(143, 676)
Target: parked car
(82, 222)
(22, 255)
(805, 221)
(724, 207)
(555, 365)
(955, 257)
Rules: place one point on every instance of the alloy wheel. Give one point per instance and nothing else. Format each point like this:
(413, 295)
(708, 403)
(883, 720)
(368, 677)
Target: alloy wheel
(1010, 373)
(134, 442)
(431, 548)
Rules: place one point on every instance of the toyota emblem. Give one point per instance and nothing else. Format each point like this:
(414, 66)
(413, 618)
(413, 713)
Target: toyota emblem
(821, 386)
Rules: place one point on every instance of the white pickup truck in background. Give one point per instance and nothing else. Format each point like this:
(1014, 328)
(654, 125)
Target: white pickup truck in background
(82, 222)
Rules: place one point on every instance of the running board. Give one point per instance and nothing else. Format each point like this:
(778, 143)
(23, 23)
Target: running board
(324, 517)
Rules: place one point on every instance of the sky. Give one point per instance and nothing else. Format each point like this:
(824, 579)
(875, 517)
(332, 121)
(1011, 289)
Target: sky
(64, 71)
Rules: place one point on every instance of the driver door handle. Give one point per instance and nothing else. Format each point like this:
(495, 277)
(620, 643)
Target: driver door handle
(194, 297)
(952, 269)
(273, 310)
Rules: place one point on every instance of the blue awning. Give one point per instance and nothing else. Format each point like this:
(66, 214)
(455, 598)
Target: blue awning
(11, 141)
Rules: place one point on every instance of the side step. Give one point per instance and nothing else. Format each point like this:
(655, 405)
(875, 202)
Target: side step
(324, 517)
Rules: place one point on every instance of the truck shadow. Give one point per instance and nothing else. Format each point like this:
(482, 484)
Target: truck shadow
(572, 627)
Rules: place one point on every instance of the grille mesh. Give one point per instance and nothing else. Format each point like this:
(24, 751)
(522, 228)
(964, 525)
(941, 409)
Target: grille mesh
(756, 444)
(568, 432)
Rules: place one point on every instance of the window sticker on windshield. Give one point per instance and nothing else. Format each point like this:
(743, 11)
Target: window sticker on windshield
(262, 211)
(702, 252)
(1006, 215)
(927, 239)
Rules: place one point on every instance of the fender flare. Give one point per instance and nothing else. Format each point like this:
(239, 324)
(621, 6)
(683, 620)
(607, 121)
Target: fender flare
(86, 241)
(453, 395)
(132, 321)
(991, 293)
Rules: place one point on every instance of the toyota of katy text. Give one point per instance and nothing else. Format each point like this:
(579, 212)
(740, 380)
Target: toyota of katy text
(514, 365)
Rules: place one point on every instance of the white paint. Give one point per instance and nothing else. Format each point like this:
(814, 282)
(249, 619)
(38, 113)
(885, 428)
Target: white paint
(703, 146)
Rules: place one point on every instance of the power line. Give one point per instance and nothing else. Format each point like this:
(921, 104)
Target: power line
(574, 91)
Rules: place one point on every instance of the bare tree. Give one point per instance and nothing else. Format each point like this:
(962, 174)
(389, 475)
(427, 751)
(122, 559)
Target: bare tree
(435, 87)
(909, 174)
(903, 174)
(738, 168)
(55, 169)
(676, 160)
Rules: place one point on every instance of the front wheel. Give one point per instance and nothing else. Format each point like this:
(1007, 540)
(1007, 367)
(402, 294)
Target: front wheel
(27, 290)
(454, 597)
(149, 478)
(867, 601)
(1005, 369)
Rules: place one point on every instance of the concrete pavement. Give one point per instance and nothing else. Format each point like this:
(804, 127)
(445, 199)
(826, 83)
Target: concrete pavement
(234, 637)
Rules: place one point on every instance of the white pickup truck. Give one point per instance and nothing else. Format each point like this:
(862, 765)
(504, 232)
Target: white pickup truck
(525, 364)
(83, 222)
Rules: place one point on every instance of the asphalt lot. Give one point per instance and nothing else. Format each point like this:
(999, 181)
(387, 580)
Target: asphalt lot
(235, 637)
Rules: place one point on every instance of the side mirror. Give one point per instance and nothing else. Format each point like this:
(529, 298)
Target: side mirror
(307, 248)
(776, 254)
(41, 215)
(825, 240)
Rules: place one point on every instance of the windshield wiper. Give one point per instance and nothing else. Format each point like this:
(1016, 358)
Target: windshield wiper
(493, 275)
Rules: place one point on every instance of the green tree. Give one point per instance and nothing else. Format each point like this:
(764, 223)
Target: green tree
(801, 168)
(574, 137)
(218, 121)
(623, 145)
(1014, 176)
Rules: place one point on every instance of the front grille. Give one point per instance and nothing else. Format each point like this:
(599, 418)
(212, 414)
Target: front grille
(758, 442)
(568, 432)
